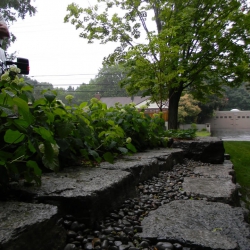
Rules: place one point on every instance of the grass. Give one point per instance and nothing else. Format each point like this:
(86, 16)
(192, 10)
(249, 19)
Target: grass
(202, 133)
(239, 152)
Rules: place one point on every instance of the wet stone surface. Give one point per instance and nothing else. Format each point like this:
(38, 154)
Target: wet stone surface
(23, 225)
(125, 229)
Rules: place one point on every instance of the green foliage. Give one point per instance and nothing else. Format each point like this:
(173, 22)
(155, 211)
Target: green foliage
(239, 154)
(12, 9)
(47, 135)
(197, 46)
(202, 133)
(236, 98)
(187, 134)
(188, 109)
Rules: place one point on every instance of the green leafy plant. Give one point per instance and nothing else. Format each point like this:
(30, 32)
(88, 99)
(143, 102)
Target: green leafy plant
(46, 135)
(187, 134)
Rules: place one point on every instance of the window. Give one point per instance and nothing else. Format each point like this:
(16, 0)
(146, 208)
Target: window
(229, 116)
(243, 116)
(225, 116)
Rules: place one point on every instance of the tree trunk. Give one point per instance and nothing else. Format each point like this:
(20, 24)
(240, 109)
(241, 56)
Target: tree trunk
(174, 98)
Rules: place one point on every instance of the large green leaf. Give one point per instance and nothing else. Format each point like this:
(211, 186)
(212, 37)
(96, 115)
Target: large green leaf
(23, 109)
(131, 147)
(11, 94)
(94, 153)
(13, 136)
(6, 111)
(64, 129)
(49, 158)
(50, 97)
(45, 134)
(83, 105)
(123, 150)
(34, 166)
(27, 88)
(108, 157)
(38, 102)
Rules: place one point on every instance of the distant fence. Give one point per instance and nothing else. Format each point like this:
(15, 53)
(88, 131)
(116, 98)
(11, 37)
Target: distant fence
(151, 112)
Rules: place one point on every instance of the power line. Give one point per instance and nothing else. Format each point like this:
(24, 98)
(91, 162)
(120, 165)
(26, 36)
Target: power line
(64, 75)
(80, 74)
(87, 85)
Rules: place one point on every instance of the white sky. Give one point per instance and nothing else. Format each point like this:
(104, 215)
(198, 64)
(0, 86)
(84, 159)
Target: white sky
(55, 48)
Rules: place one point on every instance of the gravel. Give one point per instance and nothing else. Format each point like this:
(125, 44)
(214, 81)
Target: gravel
(118, 231)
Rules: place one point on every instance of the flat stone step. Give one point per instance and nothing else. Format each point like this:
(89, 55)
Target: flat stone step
(215, 182)
(216, 171)
(199, 224)
(219, 189)
(82, 191)
(30, 226)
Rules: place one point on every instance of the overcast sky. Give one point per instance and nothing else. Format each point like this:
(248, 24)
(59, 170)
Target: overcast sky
(54, 48)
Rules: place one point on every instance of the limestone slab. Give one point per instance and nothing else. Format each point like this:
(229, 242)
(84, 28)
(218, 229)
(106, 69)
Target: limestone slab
(25, 226)
(214, 189)
(199, 224)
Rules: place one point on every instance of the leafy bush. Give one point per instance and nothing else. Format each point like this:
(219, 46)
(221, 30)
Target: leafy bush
(187, 134)
(46, 135)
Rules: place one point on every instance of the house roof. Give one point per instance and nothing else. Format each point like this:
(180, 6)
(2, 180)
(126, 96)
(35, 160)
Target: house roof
(152, 105)
(111, 101)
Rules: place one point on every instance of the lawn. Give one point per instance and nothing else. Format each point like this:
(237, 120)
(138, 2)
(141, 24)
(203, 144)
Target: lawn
(239, 152)
(202, 133)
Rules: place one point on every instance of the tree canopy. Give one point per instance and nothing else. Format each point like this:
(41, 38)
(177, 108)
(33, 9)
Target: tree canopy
(13, 9)
(188, 109)
(197, 45)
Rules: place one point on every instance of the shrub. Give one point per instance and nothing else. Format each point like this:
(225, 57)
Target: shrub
(47, 135)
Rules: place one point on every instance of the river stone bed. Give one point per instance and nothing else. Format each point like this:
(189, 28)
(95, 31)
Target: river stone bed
(124, 228)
